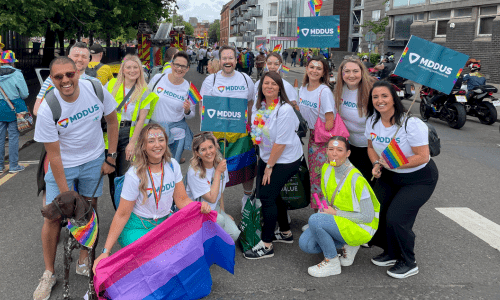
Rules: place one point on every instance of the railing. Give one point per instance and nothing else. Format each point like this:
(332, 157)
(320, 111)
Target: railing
(239, 39)
(248, 39)
(251, 3)
(258, 32)
(240, 19)
(256, 13)
(234, 30)
(244, 7)
(251, 27)
(247, 16)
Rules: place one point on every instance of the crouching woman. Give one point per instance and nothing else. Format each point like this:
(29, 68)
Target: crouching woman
(351, 217)
(207, 177)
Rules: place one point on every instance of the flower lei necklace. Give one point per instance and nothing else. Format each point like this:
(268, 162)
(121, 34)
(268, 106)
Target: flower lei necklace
(260, 121)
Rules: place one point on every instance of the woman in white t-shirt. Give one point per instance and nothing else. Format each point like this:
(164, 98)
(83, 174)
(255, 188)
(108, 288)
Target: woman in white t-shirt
(207, 177)
(150, 187)
(403, 190)
(273, 64)
(274, 125)
(351, 101)
(174, 107)
(315, 86)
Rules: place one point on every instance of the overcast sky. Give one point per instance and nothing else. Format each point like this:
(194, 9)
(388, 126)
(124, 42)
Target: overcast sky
(201, 9)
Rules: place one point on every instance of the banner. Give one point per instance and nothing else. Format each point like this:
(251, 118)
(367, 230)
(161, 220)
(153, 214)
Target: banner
(224, 114)
(431, 64)
(318, 32)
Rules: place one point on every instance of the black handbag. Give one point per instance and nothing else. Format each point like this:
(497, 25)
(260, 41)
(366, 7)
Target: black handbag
(297, 191)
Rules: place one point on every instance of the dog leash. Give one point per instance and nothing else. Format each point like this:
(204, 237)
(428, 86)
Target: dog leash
(99, 182)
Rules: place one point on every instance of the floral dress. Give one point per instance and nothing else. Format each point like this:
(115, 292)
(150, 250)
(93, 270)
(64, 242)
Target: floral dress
(316, 157)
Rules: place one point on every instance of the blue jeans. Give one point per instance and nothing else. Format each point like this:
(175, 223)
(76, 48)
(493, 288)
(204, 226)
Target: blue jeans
(323, 235)
(11, 127)
(294, 63)
(176, 148)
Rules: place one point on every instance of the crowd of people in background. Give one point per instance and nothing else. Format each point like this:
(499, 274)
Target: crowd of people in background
(147, 132)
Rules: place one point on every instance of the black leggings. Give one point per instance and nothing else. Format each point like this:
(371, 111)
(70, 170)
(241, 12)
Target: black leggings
(359, 158)
(122, 164)
(401, 195)
(273, 207)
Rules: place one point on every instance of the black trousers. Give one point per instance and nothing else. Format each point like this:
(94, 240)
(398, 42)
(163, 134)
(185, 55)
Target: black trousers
(359, 158)
(401, 196)
(122, 164)
(273, 207)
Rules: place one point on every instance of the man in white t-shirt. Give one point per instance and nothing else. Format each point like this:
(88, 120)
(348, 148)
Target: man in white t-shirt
(75, 149)
(230, 83)
(215, 53)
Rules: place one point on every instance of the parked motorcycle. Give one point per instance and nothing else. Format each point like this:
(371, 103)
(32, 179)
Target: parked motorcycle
(443, 107)
(477, 104)
(405, 90)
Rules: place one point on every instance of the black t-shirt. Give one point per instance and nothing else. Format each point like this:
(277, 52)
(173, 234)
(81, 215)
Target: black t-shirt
(388, 68)
(294, 54)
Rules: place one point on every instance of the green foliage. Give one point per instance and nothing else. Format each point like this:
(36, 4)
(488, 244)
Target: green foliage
(374, 57)
(214, 31)
(188, 28)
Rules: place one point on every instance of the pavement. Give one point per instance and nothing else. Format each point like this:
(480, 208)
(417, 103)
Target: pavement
(458, 257)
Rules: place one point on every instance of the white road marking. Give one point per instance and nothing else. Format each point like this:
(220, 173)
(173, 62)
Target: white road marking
(478, 225)
(4, 178)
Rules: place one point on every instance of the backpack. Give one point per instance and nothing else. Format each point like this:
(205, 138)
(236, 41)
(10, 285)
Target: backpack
(93, 71)
(434, 141)
(55, 106)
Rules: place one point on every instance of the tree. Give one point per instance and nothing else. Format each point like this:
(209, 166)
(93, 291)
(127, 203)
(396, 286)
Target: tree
(378, 26)
(177, 20)
(214, 31)
(188, 28)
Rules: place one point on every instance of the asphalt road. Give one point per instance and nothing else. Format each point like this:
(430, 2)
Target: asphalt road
(454, 263)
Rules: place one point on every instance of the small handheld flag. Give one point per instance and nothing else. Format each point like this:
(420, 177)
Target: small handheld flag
(394, 156)
(259, 46)
(193, 94)
(277, 48)
(285, 69)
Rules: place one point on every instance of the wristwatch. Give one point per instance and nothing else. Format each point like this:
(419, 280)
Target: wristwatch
(112, 155)
(375, 162)
(104, 250)
(269, 166)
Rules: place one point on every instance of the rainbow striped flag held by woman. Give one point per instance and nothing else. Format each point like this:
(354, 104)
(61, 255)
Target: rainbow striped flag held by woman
(277, 48)
(285, 70)
(193, 94)
(394, 156)
(171, 261)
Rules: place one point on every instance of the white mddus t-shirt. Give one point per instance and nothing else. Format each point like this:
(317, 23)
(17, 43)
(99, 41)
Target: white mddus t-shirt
(309, 104)
(233, 87)
(170, 105)
(290, 91)
(130, 191)
(354, 123)
(282, 125)
(415, 134)
(78, 130)
(196, 187)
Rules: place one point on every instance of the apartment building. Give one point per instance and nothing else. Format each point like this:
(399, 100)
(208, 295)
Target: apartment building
(224, 24)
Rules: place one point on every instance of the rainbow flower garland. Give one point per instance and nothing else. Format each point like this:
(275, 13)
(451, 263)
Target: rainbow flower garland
(260, 120)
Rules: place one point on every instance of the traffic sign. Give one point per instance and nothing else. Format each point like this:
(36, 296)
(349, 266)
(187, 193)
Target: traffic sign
(370, 37)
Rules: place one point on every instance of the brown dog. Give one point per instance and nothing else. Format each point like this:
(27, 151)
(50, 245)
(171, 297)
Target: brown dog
(70, 206)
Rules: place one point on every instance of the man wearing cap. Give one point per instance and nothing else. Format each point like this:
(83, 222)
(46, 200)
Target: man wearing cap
(103, 72)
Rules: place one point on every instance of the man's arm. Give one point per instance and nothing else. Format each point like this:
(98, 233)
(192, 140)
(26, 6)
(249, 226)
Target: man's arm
(56, 166)
(112, 125)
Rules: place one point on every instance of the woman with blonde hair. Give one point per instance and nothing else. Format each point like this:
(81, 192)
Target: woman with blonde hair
(207, 177)
(150, 187)
(133, 99)
(351, 101)
(213, 66)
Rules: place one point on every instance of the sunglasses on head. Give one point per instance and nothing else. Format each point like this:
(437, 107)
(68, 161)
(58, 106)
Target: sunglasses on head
(204, 133)
(60, 77)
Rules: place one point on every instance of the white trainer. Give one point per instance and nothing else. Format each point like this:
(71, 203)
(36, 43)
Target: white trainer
(304, 228)
(349, 252)
(44, 288)
(326, 268)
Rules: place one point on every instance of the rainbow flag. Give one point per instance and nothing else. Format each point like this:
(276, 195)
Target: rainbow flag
(285, 69)
(298, 31)
(259, 46)
(87, 234)
(193, 94)
(277, 48)
(171, 261)
(394, 156)
(244, 60)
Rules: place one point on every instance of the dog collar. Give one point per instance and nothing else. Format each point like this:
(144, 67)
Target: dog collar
(86, 235)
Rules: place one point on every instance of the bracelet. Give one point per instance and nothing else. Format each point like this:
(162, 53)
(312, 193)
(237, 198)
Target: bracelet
(375, 163)
(106, 161)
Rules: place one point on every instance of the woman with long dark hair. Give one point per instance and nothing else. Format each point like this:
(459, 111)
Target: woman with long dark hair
(401, 189)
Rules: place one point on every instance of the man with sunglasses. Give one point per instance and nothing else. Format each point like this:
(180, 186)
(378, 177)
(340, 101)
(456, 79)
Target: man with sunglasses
(75, 150)
(240, 154)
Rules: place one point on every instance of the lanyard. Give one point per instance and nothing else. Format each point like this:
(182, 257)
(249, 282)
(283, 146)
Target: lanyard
(128, 100)
(156, 196)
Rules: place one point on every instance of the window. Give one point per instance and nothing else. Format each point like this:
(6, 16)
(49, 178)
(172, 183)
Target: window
(273, 12)
(402, 25)
(434, 1)
(439, 14)
(419, 17)
(485, 22)
(462, 12)
(376, 15)
(387, 5)
(358, 3)
(272, 28)
(441, 28)
(488, 11)
(400, 3)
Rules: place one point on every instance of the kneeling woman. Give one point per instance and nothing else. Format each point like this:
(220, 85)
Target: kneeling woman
(207, 177)
(351, 218)
(150, 187)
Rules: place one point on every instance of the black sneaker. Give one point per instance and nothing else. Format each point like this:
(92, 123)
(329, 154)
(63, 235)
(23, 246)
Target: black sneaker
(403, 270)
(259, 251)
(283, 238)
(383, 260)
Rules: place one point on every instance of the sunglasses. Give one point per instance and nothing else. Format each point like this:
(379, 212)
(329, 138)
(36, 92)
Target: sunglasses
(60, 77)
(204, 133)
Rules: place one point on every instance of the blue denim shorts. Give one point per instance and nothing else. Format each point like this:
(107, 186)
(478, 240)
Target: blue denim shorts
(84, 177)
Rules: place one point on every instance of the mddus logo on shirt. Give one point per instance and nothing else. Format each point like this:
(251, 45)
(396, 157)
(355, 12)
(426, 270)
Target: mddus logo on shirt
(307, 103)
(230, 88)
(159, 90)
(65, 122)
(169, 93)
(166, 187)
(381, 139)
(317, 31)
(429, 64)
(223, 114)
(349, 104)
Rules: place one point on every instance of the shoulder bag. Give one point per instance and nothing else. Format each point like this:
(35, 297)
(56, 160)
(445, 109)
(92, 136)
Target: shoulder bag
(24, 119)
(321, 135)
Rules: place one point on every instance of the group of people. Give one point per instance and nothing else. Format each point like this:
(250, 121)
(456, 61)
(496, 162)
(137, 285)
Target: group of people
(147, 132)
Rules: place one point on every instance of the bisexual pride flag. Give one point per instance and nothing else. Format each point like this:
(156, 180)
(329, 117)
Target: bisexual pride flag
(171, 261)
(394, 156)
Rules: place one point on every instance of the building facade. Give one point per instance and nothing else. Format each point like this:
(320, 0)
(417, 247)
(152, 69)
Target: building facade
(201, 29)
(224, 24)
(193, 21)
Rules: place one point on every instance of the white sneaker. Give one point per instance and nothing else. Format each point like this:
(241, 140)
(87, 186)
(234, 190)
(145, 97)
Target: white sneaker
(348, 256)
(44, 288)
(305, 227)
(326, 268)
